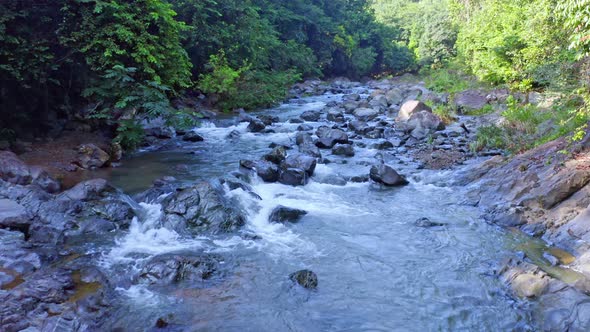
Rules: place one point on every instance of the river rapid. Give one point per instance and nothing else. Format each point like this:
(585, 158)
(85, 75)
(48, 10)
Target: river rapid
(378, 270)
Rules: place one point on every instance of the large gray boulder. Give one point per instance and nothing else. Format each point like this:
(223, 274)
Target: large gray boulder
(12, 214)
(168, 269)
(386, 175)
(330, 137)
(422, 124)
(470, 100)
(300, 161)
(410, 107)
(13, 170)
(203, 208)
(365, 114)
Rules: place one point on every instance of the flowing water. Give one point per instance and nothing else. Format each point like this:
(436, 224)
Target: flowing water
(377, 270)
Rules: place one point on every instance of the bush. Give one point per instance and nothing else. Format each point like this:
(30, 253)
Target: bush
(489, 137)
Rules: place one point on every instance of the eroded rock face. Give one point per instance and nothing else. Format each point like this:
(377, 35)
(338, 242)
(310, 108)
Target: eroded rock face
(203, 208)
(529, 285)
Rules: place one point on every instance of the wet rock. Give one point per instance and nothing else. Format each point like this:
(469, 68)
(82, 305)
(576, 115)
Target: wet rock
(303, 138)
(421, 124)
(343, 150)
(359, 178)
(277, 155)
(284, 214)
(41, 178)
(330, 137)
(379, 102)
(268, 119)
(267, 171)
(394, 97)
(300, 161)
(192, 136)
(91, 156)
(87, 190)
(305, 278)
(335, 115)
(293, 177)
(311, 116)
(383, 145)
(12, 214)
(161, 132)
(304, 127)
(174, 268)
(411, 107)
(234, 134)
(310, 149)
(256, 126)
(529, 285)
(13, 170)
(427, 223)
(386, 175)
(204, 208)
(365, 114)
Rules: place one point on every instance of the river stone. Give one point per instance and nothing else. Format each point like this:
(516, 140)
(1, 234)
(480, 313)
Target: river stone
(173, 268)
(192, 136)
(470, 100)
(335, 115)
(293, 177)
(300, 161)
(91, 156)
(423, 123)
(365, 114)
(13, 170)
(161, 132)
(303, 138)
(330, 137)
(41, 178)
(394, 96)
(87, 190)
(205, 208)
(305, 278)
(383, 145)
(312, 116)
(379, 102)
(267, 171)
(277, 155)
(343, 150)
(410, 107)
(256, 126)
(268, 119)
(310, 149)
(284, 214)
(529, 285)
(234, 134)
(386, 175)
(12, 214)
(427, 223)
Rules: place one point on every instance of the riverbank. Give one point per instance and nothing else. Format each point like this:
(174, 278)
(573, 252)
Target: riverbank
(362, 173)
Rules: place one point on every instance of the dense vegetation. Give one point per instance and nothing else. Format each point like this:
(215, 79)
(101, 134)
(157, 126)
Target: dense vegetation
(127, 59)
(527, 46)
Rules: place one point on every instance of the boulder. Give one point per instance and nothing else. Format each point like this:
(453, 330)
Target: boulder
(277, 155)
(335, 115)
(168, 269)
(163, 132)
(14, 170)
(427, 223)
(423, 123)
(284, 214)
(268, 119)
(305, 278)
(293, 177)
(343, 150)
(41, 178)
(266, 170)
(365, 114)
(192, 136)
(386, 175)
(12, 214)
(203, 208)
(410, 107)
(312, 116)
(330, 137)
(85, 191)
(234, 134)
(256, 126)
(91, 156)
(394, 96)
(379, 102)
(470, 100)
(529, 285)
(300, 161)
(383, 145)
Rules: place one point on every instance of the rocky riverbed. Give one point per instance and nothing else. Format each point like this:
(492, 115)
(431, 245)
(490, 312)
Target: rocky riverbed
(352, 206)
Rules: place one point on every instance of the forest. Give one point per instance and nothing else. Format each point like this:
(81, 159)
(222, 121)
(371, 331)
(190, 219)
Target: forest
(119, 61)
